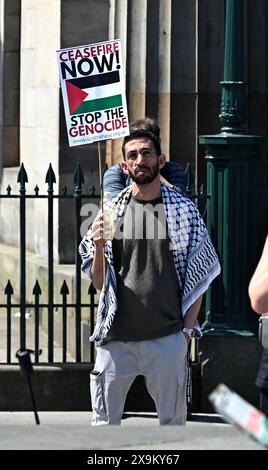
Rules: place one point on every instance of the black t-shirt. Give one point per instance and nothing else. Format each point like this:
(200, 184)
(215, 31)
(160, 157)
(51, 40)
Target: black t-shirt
(147, 285)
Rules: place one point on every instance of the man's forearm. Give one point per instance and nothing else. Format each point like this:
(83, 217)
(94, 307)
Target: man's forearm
(258, 286)
(97, 268)
(192, 313)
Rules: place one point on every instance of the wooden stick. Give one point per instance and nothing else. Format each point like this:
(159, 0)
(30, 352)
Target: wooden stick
(100, 175)
(101, 205)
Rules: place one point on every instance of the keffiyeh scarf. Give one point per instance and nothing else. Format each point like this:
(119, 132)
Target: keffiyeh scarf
(195, 259)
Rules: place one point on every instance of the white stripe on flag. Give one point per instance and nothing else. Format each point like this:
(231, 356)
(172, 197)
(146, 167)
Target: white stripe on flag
(103, 91)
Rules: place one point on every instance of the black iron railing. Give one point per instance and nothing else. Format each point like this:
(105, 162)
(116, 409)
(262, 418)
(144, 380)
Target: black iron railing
(36, 305)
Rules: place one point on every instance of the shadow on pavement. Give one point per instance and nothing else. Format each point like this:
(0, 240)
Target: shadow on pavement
(206, 418)
(139, 415)
(195, 417)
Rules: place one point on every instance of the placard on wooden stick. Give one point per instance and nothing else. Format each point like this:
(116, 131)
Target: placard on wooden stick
(93, 89)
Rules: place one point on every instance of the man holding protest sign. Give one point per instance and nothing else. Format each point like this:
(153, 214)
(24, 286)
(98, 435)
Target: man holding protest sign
(158, 265)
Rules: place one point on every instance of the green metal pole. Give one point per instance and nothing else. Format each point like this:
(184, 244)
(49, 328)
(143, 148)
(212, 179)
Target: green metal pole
(233, 106)
(232, 163)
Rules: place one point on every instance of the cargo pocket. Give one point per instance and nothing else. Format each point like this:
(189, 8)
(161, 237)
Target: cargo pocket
(97, 398)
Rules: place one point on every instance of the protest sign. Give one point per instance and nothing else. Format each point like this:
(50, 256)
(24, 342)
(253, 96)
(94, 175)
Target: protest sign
(93, 90)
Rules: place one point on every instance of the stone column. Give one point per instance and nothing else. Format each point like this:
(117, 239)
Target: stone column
(164, 85)
(183, 89)
(136, 60)
(10, 81)
(117, 30)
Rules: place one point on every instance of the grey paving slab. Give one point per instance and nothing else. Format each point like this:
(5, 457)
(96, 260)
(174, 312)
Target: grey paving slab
(72, 431)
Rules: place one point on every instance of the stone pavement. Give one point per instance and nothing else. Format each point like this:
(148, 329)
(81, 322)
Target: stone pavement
(72, 431)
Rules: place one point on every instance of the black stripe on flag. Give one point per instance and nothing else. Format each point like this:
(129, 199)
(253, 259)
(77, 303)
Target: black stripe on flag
(93, 81)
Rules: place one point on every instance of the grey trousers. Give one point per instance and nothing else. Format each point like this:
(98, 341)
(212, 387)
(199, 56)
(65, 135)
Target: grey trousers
(162, 361)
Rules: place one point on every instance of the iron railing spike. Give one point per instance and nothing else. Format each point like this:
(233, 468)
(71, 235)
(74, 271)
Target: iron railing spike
(92, 290)
(22, 176)
(9, 289)
(78, 176)
(37, 289)
(64, 288)
(50, 176)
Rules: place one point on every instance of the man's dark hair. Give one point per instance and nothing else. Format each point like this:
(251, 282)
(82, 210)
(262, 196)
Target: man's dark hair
(147, 124)
(147, 128)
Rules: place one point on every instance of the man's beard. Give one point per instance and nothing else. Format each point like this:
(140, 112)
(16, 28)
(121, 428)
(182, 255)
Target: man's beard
(147, 178)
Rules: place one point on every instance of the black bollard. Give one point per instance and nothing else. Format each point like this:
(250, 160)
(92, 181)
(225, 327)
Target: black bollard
(23, 355)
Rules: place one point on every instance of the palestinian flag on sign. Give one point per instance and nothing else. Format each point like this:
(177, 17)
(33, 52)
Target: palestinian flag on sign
(94, 93)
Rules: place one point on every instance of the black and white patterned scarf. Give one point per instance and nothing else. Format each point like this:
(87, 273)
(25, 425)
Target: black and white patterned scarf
(195, 259)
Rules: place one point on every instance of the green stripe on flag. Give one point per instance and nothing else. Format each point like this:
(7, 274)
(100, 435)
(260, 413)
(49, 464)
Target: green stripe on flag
(98, 105)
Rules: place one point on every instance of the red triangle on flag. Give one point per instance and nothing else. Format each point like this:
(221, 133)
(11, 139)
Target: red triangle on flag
(76, 96)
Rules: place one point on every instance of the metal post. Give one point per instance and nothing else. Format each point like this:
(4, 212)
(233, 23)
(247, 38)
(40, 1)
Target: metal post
(50, 180)
(23, 355)
(232, 162)
(9, 292)
(64, 292)
(22, 179)
(233, 114)
(78, 181)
